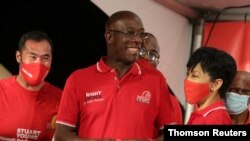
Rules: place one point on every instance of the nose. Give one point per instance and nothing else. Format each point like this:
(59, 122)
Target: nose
(38, 60)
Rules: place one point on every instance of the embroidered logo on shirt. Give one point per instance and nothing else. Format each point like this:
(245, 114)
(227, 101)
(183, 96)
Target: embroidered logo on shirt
(144, 97)
(93, 97)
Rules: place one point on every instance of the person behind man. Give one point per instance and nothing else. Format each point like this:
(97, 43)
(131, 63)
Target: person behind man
(150, 55)
(28, 104)
(114, 99)
(237, 98)
(209, 74)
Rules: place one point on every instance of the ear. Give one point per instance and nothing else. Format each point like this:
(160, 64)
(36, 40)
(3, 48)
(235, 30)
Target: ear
(216, 85)
(18, 56)
(108, 36)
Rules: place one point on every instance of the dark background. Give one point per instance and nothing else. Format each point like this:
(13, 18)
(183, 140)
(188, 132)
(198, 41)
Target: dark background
(76, 28)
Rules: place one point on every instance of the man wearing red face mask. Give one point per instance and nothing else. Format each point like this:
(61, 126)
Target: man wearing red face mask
(209, 74)
(28, 104)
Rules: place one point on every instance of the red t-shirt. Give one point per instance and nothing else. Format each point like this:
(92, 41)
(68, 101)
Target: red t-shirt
(101, 105)
(213, 114)
(27, 115)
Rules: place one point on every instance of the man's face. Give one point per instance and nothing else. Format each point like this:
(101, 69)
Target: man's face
(127, 37)
(238, 95)
(151, 54)
(35, 52)
(241, 83)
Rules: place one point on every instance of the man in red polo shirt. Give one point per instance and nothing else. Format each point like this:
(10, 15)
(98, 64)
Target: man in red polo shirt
(116, 98)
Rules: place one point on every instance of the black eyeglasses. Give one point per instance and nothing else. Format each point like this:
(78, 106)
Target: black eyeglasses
(152, 54)
(239, 91)
(132, 34)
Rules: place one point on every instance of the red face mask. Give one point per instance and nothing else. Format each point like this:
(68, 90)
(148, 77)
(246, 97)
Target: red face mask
(195, 91)
(34, 73)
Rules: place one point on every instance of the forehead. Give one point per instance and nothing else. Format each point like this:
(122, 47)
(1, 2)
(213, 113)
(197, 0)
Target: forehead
(198, 71)
(242, 80)
(198, 68)
(131, 22)
(38, 47)
(152, 44)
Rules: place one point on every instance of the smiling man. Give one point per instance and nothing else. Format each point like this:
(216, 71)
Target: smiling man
(116, 98)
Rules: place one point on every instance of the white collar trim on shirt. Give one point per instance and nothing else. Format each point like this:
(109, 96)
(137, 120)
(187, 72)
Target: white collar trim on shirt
(217, 108)
(139, 69)
(64, 123)
(100, 70)
(98, 67)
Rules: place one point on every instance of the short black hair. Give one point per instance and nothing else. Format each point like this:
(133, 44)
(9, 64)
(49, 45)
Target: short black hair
(217, 63)
(34, 35)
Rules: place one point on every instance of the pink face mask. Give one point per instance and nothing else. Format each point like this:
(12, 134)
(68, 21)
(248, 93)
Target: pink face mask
(34, 73)
(195, 91)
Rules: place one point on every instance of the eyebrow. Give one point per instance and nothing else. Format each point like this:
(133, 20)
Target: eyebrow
(240, 88)
(196, 72)
(46, 55)
(132, 28)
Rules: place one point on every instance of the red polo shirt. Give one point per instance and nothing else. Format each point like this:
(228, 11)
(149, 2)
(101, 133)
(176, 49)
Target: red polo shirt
(103, 106)
(177, 117)
(177, 110)
(213, 114)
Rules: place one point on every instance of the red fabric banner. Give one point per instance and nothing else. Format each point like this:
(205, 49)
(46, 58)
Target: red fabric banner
(232, 37)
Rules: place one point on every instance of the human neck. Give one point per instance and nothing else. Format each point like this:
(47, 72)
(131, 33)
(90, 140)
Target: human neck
(212, 98)
(120, 67)
(240, 118)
